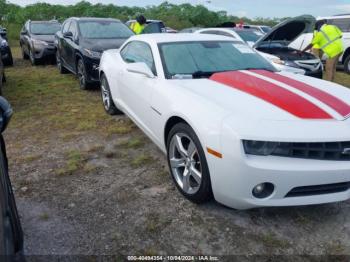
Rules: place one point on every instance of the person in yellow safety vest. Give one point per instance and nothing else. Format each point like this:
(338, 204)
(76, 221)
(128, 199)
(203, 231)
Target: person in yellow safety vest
(316, 50)
(329, 39)
(138, 26)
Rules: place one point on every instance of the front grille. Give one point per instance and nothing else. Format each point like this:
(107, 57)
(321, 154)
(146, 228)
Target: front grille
(318, 190)
(335, 151)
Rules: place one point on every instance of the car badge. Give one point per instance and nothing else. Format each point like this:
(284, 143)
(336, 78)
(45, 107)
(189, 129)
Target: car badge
(346, 151)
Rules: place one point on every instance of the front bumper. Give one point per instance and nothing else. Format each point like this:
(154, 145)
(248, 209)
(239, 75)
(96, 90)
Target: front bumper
(235, 175)
(44, 52)
(92, 68)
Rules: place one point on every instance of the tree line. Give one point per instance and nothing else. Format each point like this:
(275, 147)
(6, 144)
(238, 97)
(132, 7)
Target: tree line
(175, 16)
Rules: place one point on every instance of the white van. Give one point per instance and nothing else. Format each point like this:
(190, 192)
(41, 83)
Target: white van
(341, 21)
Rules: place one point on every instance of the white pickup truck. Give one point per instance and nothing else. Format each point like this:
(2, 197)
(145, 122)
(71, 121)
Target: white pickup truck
(341, 21)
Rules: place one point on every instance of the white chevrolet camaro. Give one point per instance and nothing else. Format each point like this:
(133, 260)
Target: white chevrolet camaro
(232, 127)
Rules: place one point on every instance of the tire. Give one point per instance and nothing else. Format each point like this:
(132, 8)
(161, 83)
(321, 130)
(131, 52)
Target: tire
(106, 96)
(82, 76)
(24, 55)
(32, 59)
(59, 65)
(185, 155)
(347, 64)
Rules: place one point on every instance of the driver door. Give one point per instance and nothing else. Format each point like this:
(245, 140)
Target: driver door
(136, 89)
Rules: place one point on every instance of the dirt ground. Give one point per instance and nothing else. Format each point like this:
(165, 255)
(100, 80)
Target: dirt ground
(90, 184)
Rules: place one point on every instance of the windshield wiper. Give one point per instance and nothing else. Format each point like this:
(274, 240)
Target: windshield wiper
(201, 74)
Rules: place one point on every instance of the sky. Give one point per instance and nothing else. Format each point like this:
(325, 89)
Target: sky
(249, 8)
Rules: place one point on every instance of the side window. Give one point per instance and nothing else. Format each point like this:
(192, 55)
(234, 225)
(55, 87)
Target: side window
(65, 27)
(137, 51)
(73, 28)
(342, 23)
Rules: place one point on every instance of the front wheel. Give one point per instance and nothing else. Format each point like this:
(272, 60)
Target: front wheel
(24, 55)
(32, 59)
(59, 65)
(188, 165)
(347, 64)
(82, 75)
(107, 100)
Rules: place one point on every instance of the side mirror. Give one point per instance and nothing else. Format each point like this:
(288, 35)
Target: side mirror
(68, 35)
(24, 32)
(5, 113)
(140, 68)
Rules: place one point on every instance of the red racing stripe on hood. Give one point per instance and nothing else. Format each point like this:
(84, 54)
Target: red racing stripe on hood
(271, 93)
(333, 102)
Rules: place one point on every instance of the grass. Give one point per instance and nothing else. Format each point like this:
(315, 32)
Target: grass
(75, 161)
(47, 103)
(142, 160)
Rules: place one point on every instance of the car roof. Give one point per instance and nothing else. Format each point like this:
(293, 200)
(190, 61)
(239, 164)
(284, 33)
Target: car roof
(184, 37)
(94, 19)
(333, 17)
(44, 21)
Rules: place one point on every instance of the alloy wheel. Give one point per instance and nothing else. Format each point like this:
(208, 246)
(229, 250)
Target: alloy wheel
(58, 61)
(105, 95)
(185, 163)
(81, 74)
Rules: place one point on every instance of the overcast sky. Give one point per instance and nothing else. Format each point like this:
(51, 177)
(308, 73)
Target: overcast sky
(250, 8)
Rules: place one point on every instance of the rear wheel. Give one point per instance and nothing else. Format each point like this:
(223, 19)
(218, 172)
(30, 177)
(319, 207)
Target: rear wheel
(82, 76)
(188, 165)
(347, 64)
(107, 100)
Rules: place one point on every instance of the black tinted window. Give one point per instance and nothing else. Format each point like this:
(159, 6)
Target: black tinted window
(137, 51)
(104, 30)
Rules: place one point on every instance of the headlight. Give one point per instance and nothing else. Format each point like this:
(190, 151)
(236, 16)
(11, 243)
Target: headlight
(39, 42)
(260, 148)
(4, 43)
(292, 64)
(277, 61)
(93, 54)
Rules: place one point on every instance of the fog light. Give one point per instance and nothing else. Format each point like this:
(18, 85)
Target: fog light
(263, 190)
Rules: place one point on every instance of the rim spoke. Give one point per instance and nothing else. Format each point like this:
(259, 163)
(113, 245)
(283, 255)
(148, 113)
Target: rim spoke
(196, 175)
(191, 149)
(180, 146)
(176, 163)
(186, 180)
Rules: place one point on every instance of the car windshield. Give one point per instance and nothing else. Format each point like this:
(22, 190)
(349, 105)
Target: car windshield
(44, 28)
(204, 58)
(104, 30)
(249, 36)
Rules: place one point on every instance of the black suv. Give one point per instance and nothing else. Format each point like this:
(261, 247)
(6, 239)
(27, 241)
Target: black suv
(5, 52)
(81, 42)
(37, 40)
(11, 236)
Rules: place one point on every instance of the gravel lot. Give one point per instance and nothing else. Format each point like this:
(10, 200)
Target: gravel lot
(90, 184)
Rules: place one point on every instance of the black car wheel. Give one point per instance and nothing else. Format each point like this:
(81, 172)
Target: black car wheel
(82, 76)
(32, 59)
(60, 67)
(107, 100)
(24, 55)
(187, 164)
(347, 64)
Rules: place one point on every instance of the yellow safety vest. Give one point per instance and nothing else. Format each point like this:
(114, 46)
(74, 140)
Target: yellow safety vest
(329, 40)
(137, 27)
(316, 46)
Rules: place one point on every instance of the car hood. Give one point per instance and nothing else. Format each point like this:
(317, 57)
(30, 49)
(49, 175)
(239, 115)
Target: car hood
(260, 94)
(100, 45)
(46, 38)
(289, 30)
